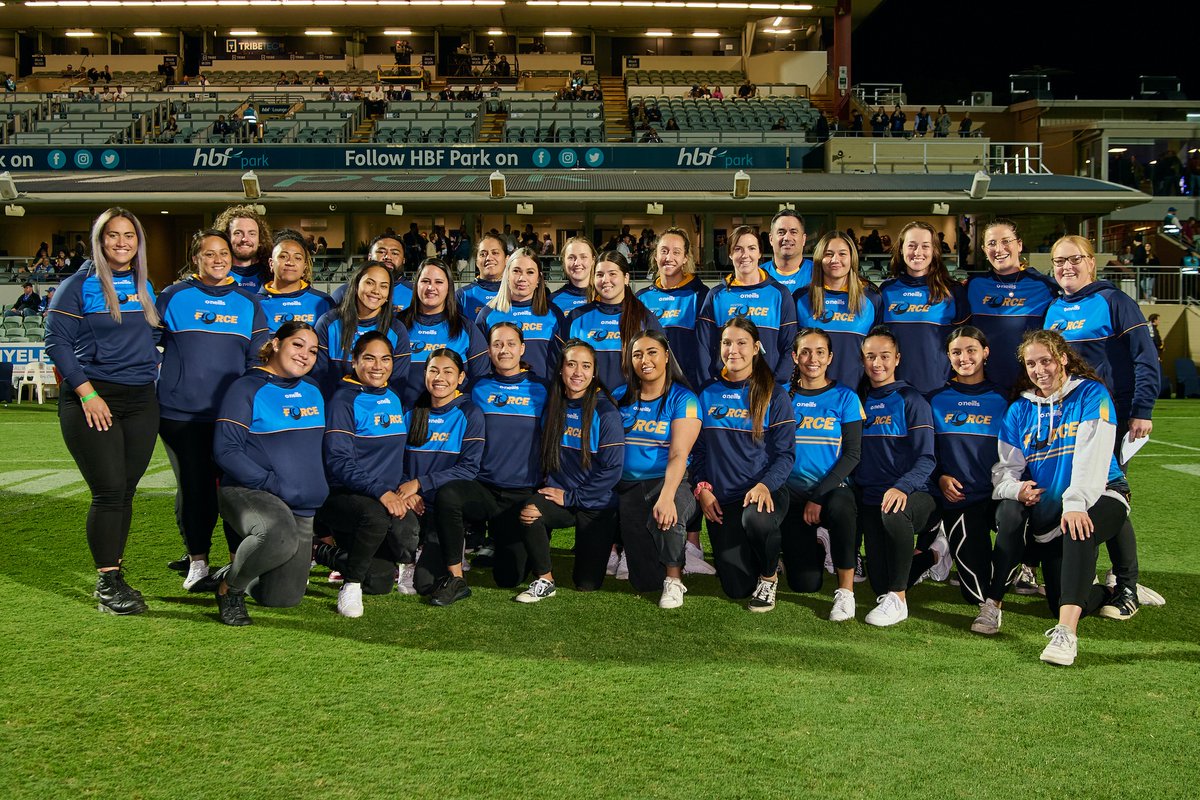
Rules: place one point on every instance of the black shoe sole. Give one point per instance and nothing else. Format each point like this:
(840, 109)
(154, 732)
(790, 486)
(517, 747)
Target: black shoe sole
(207, 584)
(107, 609)
(442, 602)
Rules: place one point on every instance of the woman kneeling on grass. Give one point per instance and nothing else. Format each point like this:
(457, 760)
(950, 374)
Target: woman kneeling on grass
(741, 462)
(268, 439)
(583, 448)
(1056, 458)
(662, 420)
(829, 423)
(364, 460)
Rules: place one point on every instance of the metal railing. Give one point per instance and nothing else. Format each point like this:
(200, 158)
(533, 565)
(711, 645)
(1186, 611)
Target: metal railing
(1006, 158)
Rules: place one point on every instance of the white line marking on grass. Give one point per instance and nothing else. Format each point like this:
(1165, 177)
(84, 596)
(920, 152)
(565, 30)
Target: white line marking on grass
(1172, 444)
(1186, 469)
(19, 476)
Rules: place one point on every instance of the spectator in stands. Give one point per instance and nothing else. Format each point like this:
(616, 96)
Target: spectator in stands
(821, 132)
(79, 253)
(376, 101)
(943, 123)
(27, 305)
(1170, 223)
(1189, 229)
(695, 93)
(43, 270)
(873, 244)
(282, 80)
(93, 74)
(221, 127)
(345, 95)
(945, 248)
(672, 125)
(495, 90)
(108, 95)
(547, 246)
(414, 245)
(595, 93)
(322, 246)
(717, 94)
(202, 79)
(251, 124)
(898, 121)
(880, 122)
(1167, 171)
(964, 127)
(296, 79)
(639, 118)
(446, 93)
(651, 136)
(503, 68)
(120, 95)
(921, 122)
(45, 306)
(780, 125)
(321, 79)
(62, 264)
(170, 128)
(705, 92)
(106, 74)
(10, 84)
(743, 91)
(42, 256)
(310, 242)
(856, 123)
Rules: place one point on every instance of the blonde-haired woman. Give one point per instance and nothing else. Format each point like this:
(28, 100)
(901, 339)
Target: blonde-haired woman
(100, 334)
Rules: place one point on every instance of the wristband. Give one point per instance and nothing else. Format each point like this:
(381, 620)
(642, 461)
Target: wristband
(701, 487)
(87, 397)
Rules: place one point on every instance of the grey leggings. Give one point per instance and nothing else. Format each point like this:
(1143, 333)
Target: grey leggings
(272, 560)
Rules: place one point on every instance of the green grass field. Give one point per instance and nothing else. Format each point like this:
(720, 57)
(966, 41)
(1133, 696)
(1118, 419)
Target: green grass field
(598, 695)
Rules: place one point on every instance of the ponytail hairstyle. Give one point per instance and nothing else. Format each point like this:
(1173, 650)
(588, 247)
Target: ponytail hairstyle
(418, 431)
(454, 320)
(633, 380)
(1058, 346)
(347, 310)
(555, 420)
(1085, 248)
(856, 287)
(762, 380)
(361, 345)
(285, 331)
(689, 259)
(512, 326)
(582, 241)
(794, 384)
(938, 278)
(731, 242)
(104, 271)
(289, 235)
(634, 314)
(196, 247)
(996, 222)
(540, 300)
(968, 331)
(885, 332)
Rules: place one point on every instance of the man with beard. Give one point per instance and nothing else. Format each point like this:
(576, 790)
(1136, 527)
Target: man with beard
(389, 251)
(250, 237)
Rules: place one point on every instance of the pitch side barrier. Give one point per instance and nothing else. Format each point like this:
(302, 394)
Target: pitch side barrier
(192, 158)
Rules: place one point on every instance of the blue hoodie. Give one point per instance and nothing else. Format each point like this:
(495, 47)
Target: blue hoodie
(921, 328)
(364, 439)
(211, 336)
(476, 295)
(846, 328)
(512, 408)
(677, 310)
(334, 363)
(768, 304)
(268, 438)
(402, 293)
(647, 426)
(797, 280)
(1004, 307)
(431, 331)
(454, 450)
(569, 297)
(543, 334)
(897, 448)
(1106, 328)
(599, 324)
(595, 487)
(966, 421)
(305, 304)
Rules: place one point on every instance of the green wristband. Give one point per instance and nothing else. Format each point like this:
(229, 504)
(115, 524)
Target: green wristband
(87, 397)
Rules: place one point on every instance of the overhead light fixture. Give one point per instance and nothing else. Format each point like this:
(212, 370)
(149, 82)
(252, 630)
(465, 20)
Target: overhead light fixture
(318, 32)
(495, 32)
(244, 32)
(80, 34)
(787, 206)
(741, 185)
(251, 186)
(525, 209)
(654, 208)
(8, 187)
(397, 32)
(778, 21)
(558, 33)
(979, 185)
(660, 33)
(14, 211)
(259, 209)
(164, 211)
(394, 210)
(705, 34)
(942, 209)
(777, 31)
(499, 186)
(1118, 149)
(147, 33)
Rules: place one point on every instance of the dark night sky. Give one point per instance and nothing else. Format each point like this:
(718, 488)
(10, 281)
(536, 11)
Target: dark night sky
(941, 50)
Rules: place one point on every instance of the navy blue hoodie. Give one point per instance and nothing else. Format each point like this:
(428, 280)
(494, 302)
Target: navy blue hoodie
(1004, 307)
(768, 304)
(921, 328)
(474, 296)
(677, 310)
(364, 439)
(454, 450)
(512, 407)
(897, 443)
(593, 488)
(305, 304)
(569, 297)
(543, 334)
(334, 363)
(599, 324)
(966, 422)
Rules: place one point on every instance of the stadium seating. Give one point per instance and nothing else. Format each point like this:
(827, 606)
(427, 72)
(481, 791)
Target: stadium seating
(758, 114)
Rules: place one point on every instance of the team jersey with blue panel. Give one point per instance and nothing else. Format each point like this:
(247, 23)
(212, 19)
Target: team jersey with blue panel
(1004, 307)
(402, 294)
(821, 418)
(1106, 327)
(453, 450)
(543, 333)
(599, 324)
(211, 336)
(305, 304)
(268, 437)
(427, 333)
(475, 296)
(921, 328)
(647, 426)
(334, 362)
(767, 304)
(677, 310)
(898, 448)
(512, 408)
(966, 422)
(846, 327)
(364, 439)
(592, 488)
(797, 280)
(727, 454)
(1046, 433)
(86, 343)
(569, 297)
(250, 277)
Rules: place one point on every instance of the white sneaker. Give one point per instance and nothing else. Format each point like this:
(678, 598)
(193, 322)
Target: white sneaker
(1062, 648)
(843, 606)
(349, 602)
(988, 621)
(622, 573)
(197, 571)
(404, 579)
(823, 538)
(614, 561)
(694, 563)
(941, 570)
(672, 593)
(891, 609)
(539, 589)
(1145, 595)
(335, 577)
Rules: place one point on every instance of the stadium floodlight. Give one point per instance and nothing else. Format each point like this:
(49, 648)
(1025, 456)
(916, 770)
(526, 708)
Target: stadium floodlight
(251, 186)
(979, 185)
(394, 210)
(525, 209)
(8, 187)
(654, 208)
(14, 211)
(741, 185)
(499, 186)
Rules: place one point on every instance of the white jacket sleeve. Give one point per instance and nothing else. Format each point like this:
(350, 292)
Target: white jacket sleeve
(1006, 474)
(1094, 440)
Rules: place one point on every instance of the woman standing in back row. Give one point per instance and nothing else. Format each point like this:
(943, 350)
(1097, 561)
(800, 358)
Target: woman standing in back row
(100, 336)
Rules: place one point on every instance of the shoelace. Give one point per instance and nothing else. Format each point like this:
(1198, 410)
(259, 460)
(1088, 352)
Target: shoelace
(888, 602)
(765, 591)
(1059, 637)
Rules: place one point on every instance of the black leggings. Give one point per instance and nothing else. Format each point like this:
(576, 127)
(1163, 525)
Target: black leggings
(459, 501)
(889, 539)
(649, 550)
(1014, 546)
(594, 532)
(189, 446)
(365, 531)
(1069, 565)
(803, 555)
(747, 544)
(111, 462)
(969, 529)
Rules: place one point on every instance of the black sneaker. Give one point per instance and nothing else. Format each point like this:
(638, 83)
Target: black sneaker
(451, 591)
(1122, 604)
(181, 564)
(231, 607)
(116, 596)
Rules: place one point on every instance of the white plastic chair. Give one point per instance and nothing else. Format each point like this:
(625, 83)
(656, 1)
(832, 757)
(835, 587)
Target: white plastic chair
(37, 376)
